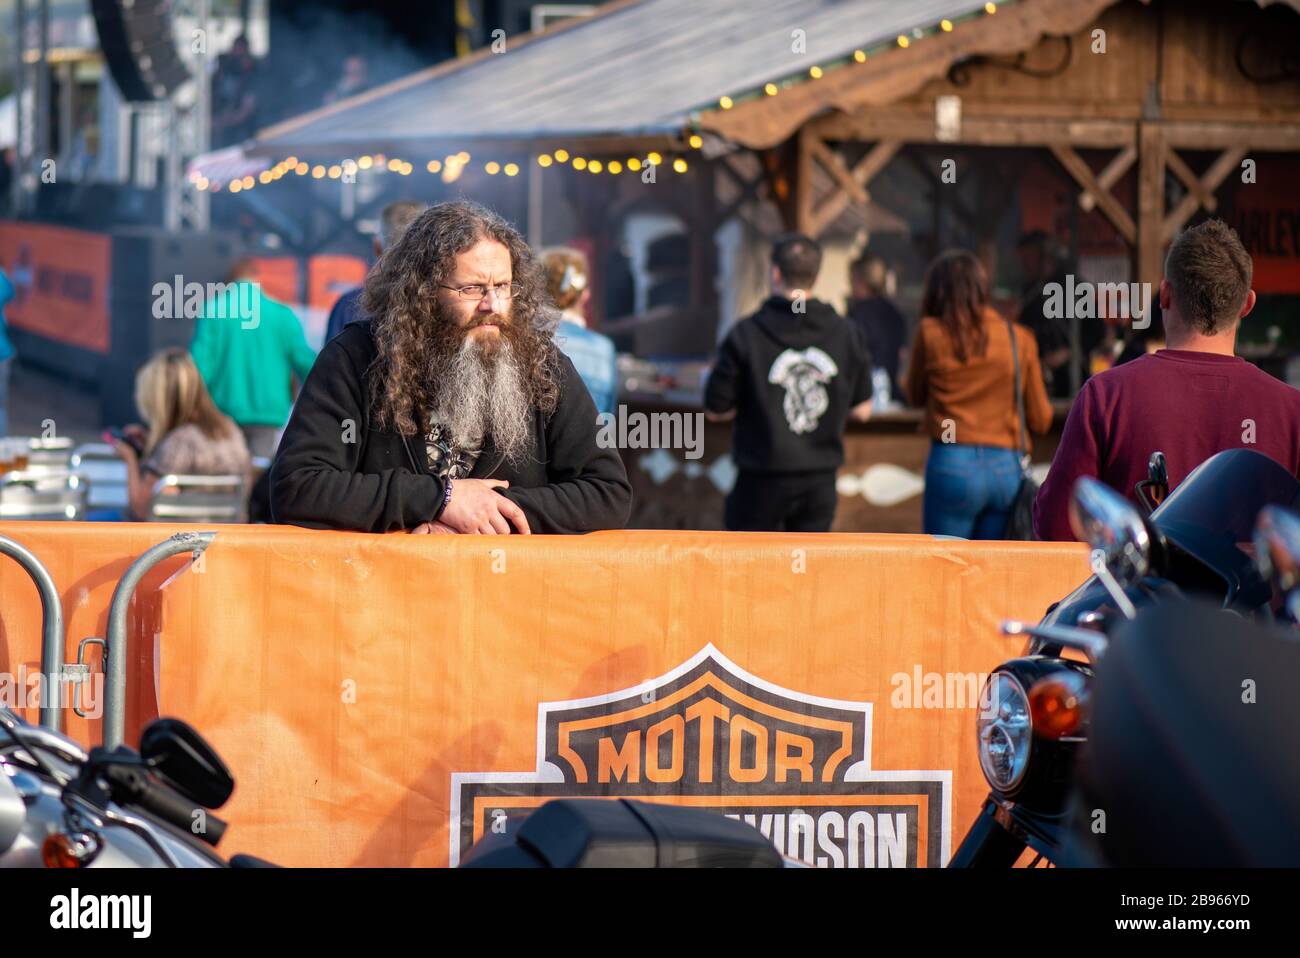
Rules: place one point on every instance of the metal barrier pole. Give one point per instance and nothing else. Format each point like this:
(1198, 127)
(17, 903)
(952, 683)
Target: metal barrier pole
(51, 629)
(115, 667)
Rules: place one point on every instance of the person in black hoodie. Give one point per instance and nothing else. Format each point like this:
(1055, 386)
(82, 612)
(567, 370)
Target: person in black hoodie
(450, 410)
(790, 376)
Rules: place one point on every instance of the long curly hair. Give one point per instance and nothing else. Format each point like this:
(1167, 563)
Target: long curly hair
(956, 292)
(412, 334)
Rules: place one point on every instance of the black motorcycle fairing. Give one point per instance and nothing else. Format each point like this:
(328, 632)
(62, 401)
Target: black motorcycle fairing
(1196, 705)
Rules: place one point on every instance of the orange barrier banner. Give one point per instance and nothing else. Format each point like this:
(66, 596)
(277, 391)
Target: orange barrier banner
(61, 282)
(387, 700)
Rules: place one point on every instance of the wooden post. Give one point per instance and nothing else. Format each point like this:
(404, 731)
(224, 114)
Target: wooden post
(1151, 203)
(802, 184)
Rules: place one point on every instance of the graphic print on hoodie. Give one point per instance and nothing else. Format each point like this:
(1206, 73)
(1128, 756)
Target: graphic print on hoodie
(792, 378)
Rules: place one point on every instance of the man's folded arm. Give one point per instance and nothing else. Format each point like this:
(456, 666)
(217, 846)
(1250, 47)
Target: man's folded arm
(587, 487)
(314, 481)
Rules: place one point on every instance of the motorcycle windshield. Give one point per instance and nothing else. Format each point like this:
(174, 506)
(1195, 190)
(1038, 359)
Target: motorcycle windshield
(1211, 515)
(1223, 497)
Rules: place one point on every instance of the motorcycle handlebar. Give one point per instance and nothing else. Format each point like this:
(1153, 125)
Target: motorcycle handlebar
(143, 791)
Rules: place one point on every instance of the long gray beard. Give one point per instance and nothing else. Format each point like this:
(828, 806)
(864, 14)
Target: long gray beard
(479, 395)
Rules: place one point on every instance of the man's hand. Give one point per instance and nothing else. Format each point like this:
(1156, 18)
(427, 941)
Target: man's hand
(476, 508)
(435, 528)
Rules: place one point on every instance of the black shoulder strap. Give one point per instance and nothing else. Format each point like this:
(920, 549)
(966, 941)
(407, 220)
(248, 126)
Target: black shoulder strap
(1020, 396)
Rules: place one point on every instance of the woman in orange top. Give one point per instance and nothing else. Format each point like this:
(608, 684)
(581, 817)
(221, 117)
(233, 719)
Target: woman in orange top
(961, 372)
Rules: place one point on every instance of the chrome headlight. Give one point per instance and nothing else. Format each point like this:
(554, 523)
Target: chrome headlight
(1004, 729)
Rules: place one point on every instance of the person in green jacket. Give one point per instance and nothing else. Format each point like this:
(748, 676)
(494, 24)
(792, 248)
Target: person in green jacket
(248, 347)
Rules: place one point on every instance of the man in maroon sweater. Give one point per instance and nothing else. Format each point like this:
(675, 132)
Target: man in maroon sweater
(1189, 401)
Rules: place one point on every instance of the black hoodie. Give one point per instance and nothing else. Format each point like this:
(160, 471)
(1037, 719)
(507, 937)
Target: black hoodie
(792, 377)
(335, 470)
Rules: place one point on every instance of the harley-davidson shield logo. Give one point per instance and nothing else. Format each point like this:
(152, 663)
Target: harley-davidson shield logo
(710, 735)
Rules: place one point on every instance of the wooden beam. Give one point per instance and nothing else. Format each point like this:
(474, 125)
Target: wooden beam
(833, 164)
(1205, 136)
(1196, 189)
(802, 185)
(912, 126)
(1074, 165)
(1109, 176)
(1216, 174)
(1151, 201)
(863, 172)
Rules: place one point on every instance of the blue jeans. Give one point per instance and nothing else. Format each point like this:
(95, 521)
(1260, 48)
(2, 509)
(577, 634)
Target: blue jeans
(969, 490)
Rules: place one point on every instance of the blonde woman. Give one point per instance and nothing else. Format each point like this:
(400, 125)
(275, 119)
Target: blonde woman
(185, 432)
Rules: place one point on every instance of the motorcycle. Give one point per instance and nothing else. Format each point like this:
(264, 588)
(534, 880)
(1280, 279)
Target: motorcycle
(64, 807)
(1032, 721)
(1197, 708)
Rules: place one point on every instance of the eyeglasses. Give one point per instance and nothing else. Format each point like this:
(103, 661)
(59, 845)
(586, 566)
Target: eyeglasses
(476, 292)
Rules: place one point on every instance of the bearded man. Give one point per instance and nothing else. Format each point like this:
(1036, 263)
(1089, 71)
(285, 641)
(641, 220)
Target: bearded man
(450, 409)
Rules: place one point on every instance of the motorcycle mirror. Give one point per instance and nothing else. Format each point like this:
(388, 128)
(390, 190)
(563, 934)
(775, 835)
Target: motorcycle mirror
(1112, 526)
(180, 756)
(1277, 553)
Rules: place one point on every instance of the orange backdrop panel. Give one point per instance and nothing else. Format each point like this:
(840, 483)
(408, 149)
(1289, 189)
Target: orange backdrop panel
(61, 279)
(346, 678)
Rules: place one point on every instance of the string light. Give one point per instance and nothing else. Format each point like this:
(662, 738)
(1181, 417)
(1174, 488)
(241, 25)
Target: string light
(579, 163)
(365, 162)
(860, 56)
(696, 141)
(433, 166)
(264, 176)
(769, 89)
(633, 163)
(301, 169)
(317, 172)
(335, 171)
(990, 8)
(679, 165)
(545, 160)
(945, 26)
(492, 168)
(615, 166)
(815, 72)
(561, 156)
(594, 166)
(725, 102)
(902, 41)
(511, 169)
(654, 159)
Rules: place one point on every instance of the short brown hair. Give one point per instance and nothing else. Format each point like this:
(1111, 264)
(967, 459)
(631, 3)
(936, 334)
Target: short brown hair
(396, 217)
(1209, 276)
(798, 259)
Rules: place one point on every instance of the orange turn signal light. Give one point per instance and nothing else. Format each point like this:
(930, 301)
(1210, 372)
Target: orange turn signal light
(1057, 702)
(61, 850)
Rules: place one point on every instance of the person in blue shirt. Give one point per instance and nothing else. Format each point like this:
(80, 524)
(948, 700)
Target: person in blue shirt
(593, 354)
(6, 352)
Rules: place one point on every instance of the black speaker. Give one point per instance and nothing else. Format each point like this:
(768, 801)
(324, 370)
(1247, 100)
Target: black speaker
(136, 37)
